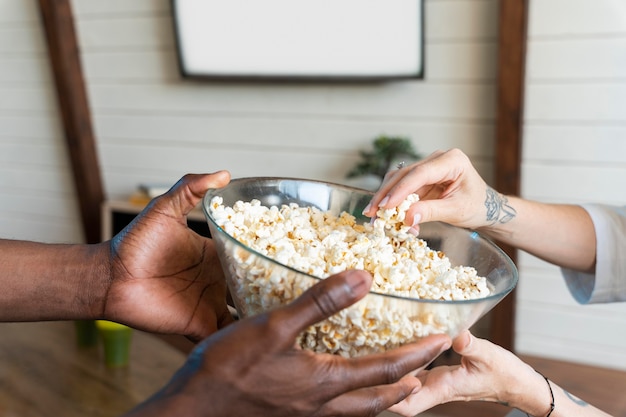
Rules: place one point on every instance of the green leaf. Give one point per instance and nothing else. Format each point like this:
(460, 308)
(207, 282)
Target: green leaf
(385, 150)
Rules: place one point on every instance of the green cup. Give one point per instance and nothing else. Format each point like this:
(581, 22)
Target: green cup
(116, 339)
(86, 333)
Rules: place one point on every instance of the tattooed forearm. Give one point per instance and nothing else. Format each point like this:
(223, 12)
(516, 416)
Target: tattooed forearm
(575, 399)
(498, 208)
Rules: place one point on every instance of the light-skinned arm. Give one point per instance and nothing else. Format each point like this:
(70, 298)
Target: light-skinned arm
(452, 191)
(489, 372)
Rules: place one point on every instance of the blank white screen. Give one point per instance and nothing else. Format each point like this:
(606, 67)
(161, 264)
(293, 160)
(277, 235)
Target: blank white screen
(336, 38)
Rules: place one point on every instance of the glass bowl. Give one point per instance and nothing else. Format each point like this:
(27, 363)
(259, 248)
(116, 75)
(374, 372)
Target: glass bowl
(378, 322)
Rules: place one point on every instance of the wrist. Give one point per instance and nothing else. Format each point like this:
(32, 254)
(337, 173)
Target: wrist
(534, 395)
(96, 280)
(53, 281)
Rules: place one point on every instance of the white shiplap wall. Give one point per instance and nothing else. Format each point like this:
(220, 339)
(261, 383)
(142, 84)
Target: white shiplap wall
(38, 200)
(574, 151)
(154, 126)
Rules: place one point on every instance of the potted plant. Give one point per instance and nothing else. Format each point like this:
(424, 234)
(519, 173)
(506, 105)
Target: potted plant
(387, 152)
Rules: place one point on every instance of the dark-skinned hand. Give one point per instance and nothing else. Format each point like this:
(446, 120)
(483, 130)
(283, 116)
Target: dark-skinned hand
(165, 278)
(254, 368)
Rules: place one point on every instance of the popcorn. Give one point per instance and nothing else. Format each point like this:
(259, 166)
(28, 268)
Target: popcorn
(321, 244)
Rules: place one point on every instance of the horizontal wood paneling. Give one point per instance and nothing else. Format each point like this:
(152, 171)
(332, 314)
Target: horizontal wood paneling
(574, 152)
(27, 128)
(142, 66)
(589, 328)
(129, 166)
(144, 112)
(395, 100)
(588, 352)
(125, 33)
(581, 59)
(453, 20)
(85, 8)
(40, 229)
(33, 178)
(576, 18)
(577, 102)
(38, 199)
(19, 38)
(549, 142)
(151, 125)
(291, 132)
(553, 325)
(44, 206)
(560, 181)
(549, 289)
(36, 99)
(17, 12)
(24, 70)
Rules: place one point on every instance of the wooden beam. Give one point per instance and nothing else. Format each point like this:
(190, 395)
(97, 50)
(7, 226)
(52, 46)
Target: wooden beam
(64, 55)
(508, 144)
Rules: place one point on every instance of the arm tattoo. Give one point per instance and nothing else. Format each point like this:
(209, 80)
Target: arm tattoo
(498, 208)
(575, 399)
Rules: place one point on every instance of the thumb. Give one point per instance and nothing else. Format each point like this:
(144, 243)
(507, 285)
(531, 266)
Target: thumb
(324, 299)
(463, 342)
(187, 193)
(475, 350)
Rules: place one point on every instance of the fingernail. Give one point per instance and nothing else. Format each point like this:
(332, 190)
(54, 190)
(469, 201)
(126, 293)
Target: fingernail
(417, 389)
(468, 339)
(416, 219)
(367, 208)
(446, 346)
(355, 281)
(384, 201)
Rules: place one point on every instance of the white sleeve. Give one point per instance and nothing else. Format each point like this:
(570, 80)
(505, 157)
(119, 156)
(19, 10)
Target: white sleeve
(608, 284)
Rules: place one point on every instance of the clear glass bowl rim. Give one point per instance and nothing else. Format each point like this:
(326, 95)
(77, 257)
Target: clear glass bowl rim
(212, 192)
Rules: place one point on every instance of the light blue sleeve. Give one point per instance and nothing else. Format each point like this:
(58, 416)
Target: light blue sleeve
(608, 284)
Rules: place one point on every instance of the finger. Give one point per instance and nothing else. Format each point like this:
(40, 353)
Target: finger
(185, 195)
(415, 403)
(433, 210)
(421, 176)
(391, 180)
(388, 367)
(370, 401)
(462, 342)
(321, 301)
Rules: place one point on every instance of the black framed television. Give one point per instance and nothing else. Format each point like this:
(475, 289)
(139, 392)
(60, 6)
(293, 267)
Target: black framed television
(347, 40)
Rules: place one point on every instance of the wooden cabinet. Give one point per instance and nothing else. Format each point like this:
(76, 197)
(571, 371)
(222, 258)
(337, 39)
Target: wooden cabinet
(117, 214)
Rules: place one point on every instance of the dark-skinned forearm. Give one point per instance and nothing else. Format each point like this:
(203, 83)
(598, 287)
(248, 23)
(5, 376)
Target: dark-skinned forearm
(52, 281)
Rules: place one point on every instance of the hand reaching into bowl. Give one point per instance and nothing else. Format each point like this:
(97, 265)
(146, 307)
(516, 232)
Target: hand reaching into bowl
(449, 187)
(452, 191)
(253, 368)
